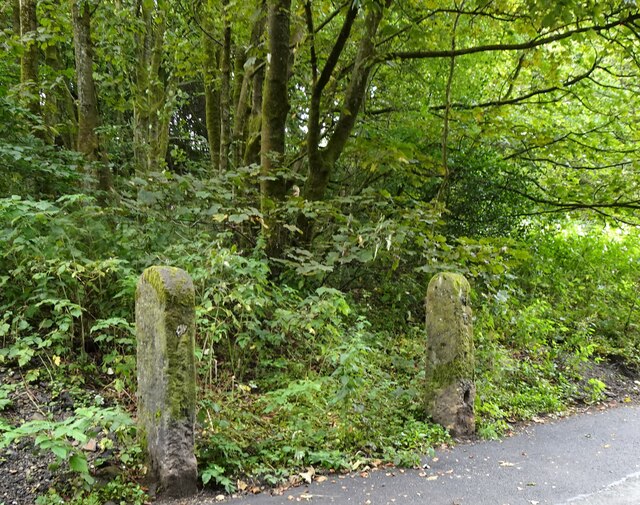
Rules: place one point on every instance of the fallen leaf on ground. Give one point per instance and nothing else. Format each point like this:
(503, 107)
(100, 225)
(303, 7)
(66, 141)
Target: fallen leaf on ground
(308, 475)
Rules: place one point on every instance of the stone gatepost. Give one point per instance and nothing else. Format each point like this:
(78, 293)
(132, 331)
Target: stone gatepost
(165, 328)
(450, 389)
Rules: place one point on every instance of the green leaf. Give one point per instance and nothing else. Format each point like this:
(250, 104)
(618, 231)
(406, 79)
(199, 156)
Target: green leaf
(238, 218)
(78, 463)
(60, 451)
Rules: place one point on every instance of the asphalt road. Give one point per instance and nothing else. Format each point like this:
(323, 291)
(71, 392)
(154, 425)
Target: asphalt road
(588, 459)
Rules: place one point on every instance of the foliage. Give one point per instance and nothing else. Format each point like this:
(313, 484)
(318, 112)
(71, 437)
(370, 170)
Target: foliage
(65, 438)
(116, 491)
(497, 140)
(575, 302)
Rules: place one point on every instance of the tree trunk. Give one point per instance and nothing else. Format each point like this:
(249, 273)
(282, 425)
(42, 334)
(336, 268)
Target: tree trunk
(15, 17)
(154, 90)
(225, 91)
(29, 59)
(60, 107)
(240, 117)
(275, 107)
(322, 160)
(248, 106)
(212, 113)
(252, 149)
(88, 116)
(211, 91)
(87, 98)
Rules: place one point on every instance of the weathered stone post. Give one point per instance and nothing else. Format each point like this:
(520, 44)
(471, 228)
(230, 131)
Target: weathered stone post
(165, 328)
(450, 389)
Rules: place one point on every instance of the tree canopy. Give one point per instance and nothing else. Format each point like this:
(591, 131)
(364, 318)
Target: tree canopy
(332, 97)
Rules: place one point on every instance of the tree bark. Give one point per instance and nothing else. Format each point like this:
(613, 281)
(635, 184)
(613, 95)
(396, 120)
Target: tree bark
(211, 93)
(254, 130)
(60, 107)
(212, 113)
(155, 90)
(29, 59)
(323, 160)
(88, 116)
(87, 98)
(248, 105)
(225, 91)
(275, 107)
(15, 17)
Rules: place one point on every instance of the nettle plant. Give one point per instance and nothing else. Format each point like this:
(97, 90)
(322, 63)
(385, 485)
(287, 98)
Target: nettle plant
(66, 438)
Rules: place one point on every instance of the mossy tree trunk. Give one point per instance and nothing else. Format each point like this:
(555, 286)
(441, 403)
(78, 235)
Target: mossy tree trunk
(88, 117)
(275, 107)
(248, 104)
(225, 90)
(154, 89)
(322, 160)
(254, 126)
(60, 114)
(30, 55)
(211, 90)
(15, 17)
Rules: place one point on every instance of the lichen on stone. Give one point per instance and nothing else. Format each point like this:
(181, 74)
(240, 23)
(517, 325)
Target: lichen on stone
(165, 328)
(450, 362)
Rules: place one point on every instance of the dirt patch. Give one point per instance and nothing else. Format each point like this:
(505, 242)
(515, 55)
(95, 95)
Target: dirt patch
(606, 382)
(26, 471)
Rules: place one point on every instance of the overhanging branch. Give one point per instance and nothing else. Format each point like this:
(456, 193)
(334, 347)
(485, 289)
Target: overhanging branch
(536, 42)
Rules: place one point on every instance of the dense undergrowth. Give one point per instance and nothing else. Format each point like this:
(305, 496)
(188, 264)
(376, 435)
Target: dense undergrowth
(321, 366)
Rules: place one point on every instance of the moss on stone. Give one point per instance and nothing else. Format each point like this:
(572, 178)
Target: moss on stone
(450, 360)
(165, 327)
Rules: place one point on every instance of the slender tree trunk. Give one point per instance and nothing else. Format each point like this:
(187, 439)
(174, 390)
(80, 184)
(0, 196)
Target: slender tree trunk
(60, 108)
(247, 104)
(275, 107)
(29, 59)
(15, 17)
(322, 166)
(225, 91)
(322, 160)
(87, 98)
(254, 129)
(88, 116)
(154, 90)
(212, 106)
(240, 118)
(275, 103)
(443, 190)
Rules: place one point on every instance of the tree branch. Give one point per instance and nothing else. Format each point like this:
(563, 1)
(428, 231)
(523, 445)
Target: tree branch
(337, 49)
(515, 100)
(314, 57)
(536, 42)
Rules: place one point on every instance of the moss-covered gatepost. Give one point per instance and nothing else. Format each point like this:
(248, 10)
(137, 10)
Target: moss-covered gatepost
(450, 389)
(165, 328)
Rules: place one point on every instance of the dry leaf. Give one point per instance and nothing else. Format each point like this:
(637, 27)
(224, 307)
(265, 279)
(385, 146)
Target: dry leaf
(308, 475)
